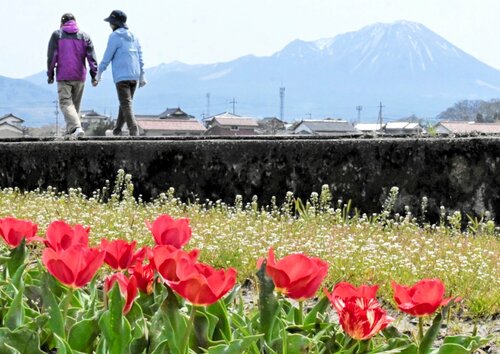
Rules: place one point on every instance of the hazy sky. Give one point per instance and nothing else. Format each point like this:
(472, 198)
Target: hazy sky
(202, 31)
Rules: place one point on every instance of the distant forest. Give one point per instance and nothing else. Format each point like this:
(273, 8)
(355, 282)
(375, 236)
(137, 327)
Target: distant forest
(473, 110)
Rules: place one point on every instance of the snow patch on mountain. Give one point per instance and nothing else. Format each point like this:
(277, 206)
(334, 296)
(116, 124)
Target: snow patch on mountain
(216, 75)
(485, 84)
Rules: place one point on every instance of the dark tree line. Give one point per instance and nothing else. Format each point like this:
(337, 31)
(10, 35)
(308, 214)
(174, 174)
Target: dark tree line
(473, 110)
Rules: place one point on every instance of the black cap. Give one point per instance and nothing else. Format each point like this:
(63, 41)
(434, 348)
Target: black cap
(67, 17)
(117, 17)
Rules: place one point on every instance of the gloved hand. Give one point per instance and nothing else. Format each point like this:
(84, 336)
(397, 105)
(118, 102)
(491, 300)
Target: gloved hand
(97, 78)
(95, 82)
(142, 81)
(50, 80)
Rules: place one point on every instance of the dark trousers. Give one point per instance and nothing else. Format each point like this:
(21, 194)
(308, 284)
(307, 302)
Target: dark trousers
(125, 90)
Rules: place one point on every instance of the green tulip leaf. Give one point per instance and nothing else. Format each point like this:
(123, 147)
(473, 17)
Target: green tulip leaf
(292, 344)
(392, 332)
(136, 319)
(17, 257)
(471, 343)
(90, 307)
(146, 302)
(56, 323)
(293, 315)
(14, 318)
(230, 296)
(268, 305)
(236, 346)
(101, 347)
(222, 328)
(62, 346)
(139, 325)
(398, 345)
(200, 334)
(17, 279)
(139, 345)
(161, 348)
(433, 331)
(83, 334)
(169, 324)
(451, 348)
(21, 340)
(318, 309)
(11, 350)
(114, 326)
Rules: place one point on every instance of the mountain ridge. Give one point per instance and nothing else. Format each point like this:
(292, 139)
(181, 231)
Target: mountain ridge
(405, 65)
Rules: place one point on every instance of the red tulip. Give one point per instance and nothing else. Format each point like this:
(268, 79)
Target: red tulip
(120, 254)
(61, 236)
(144, 275)
(74, 267)
(128, 288)
(169, 231)
(344, 291)
(362, 318)
(421, 299)
(172, 262)
(14, 230)
(297, 276)
(205, 285)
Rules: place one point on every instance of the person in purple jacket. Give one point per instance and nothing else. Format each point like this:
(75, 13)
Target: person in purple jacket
(68, 49)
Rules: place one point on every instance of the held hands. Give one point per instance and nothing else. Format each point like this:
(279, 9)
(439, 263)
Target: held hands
(142, 81)
(96, 79)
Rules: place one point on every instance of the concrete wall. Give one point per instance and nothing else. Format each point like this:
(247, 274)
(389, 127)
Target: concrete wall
(460, 173)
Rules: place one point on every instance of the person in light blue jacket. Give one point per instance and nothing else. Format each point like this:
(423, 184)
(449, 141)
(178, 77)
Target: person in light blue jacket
(125, 55)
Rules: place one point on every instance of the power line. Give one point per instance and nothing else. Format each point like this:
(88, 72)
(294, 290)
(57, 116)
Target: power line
(359, 109)
(208, 104)
(56, 112)
(233, 102)
(379, 120)
(282, 102)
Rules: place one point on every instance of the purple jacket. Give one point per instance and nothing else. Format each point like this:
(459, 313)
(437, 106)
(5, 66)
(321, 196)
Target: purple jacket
(68, 49)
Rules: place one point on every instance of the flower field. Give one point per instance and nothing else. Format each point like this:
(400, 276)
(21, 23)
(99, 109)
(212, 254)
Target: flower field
(380, 252)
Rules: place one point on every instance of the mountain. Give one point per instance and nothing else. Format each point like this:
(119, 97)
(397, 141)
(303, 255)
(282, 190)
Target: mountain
(26, 100)
(404, 65)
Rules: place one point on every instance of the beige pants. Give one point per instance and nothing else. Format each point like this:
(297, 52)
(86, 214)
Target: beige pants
(70, 97)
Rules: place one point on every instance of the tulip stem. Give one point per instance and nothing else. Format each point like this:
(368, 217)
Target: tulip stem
(363, 346)
(66, 303)
(301, 313)
(188, 329)
(420, 329)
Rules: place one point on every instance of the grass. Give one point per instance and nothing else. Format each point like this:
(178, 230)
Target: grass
(360, 249)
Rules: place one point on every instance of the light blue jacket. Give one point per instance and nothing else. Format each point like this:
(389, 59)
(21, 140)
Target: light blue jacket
(125, 54)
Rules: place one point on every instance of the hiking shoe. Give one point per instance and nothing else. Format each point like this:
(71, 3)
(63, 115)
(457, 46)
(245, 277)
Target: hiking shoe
(117, 132)
(78, 133)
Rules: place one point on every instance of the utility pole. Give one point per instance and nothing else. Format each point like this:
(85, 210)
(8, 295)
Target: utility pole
(282, 102)
(359, 109)
(208, 104)
(56, 112)
(233, 102)
(380, 121)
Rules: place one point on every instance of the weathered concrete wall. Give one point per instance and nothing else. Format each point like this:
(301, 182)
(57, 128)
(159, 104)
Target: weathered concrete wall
(461, 173)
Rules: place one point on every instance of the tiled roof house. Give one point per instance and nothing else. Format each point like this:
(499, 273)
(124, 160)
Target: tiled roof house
(229, 124)
(466, 127)
(333, 127)
(171, 122)
(11, 126)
